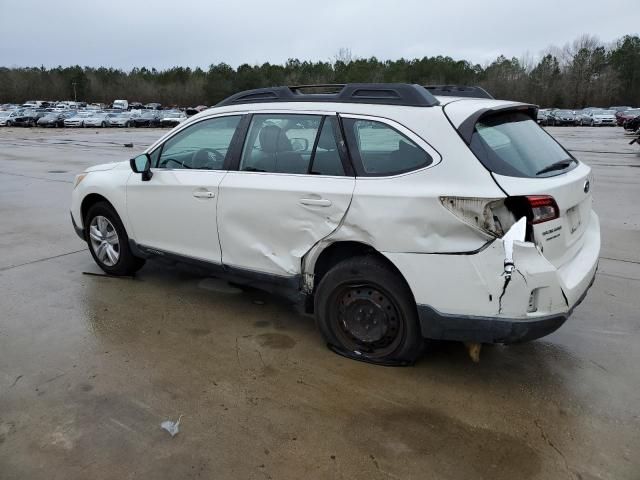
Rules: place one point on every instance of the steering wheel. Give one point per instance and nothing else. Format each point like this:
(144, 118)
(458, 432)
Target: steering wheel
(207, 158)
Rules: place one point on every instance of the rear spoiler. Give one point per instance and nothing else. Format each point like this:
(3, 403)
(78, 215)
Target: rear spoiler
(466, 128)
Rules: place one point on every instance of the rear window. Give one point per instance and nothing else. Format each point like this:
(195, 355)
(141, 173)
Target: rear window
(513, 144)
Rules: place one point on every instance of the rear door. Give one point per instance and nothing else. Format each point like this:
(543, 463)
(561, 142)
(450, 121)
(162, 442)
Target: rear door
(292, 187)
(525, 160)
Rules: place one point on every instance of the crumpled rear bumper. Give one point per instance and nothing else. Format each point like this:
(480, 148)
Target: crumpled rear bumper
(468, 297)
(470, 328)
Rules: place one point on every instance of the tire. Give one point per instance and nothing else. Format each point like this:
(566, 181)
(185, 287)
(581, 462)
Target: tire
(128, 125)
(125, 263)
(103, 124)
(389, 330)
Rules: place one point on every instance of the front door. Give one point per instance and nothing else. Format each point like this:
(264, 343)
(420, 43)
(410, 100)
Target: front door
(175, 211)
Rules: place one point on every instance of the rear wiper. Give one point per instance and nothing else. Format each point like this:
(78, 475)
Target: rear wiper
(560, 165)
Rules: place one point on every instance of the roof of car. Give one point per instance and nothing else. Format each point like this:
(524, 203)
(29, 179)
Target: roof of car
(360, 93)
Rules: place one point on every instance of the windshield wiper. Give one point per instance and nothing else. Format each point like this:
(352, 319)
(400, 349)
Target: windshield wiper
(560, 165)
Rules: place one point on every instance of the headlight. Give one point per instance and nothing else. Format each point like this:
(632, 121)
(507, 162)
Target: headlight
(78, 179)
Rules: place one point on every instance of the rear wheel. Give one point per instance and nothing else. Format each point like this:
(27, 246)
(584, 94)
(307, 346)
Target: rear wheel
(108, 241)
(365, 308)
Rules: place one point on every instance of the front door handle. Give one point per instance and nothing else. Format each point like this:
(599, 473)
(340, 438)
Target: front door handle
(316, 202)
(203, 194)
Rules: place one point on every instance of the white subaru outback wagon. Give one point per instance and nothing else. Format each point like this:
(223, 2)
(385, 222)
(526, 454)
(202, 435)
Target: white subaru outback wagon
(394, 212)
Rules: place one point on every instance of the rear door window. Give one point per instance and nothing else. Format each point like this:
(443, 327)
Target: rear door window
(513, 144)
(378, 149)
(291, 143)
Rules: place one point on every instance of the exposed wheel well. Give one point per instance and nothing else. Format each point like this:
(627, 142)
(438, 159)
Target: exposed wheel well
(89, 201)
(339, 251)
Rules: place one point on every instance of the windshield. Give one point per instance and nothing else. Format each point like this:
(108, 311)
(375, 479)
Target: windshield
(606, 112)
(634, 111)
(513, 144)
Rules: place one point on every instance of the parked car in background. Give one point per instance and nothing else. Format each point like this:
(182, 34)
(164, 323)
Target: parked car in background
(632, 125)
(77, 120)
(584, 118)
(53, 119)
(153, 106)
(171, 118)
(148, 118)
(122, 119)
(98, 119)
(600, 118)
(23, 118)
(4, 116)
(120, 104)
(543, 117)
(559, 118)
(624, 115)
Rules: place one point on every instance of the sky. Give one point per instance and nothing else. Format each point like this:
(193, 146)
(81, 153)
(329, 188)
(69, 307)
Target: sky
(166, 33)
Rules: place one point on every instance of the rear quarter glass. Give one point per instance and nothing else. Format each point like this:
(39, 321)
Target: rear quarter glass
(513, 144)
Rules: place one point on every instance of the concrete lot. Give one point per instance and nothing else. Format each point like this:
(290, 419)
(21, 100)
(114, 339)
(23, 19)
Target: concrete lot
(90, 366)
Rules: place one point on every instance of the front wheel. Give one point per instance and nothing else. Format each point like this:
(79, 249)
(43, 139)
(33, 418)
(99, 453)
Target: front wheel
(366, 310)
(108, 241)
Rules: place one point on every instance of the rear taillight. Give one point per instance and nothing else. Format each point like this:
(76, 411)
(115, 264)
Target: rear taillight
(488, 215)
(494, 216)
(542, 208)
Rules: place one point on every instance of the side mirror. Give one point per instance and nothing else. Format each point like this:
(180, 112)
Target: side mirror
(142, 164)
(300, 144)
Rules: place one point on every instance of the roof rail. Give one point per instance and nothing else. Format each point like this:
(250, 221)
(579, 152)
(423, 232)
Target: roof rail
(458, 91)
(377, 93)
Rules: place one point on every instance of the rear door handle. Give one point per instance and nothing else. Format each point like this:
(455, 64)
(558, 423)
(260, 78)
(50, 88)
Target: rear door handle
(203, 194)
(316, 202)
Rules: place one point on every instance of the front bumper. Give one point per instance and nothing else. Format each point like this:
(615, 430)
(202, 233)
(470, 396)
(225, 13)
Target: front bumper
(79, 231)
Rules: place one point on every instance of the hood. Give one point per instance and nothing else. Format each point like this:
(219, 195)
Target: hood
(107, 166)
(604, 116)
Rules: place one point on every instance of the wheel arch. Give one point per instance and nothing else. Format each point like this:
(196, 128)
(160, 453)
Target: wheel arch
(90, 200)
(338, 251)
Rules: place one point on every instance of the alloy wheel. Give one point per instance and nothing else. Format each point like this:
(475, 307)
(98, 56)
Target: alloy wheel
(104, 240)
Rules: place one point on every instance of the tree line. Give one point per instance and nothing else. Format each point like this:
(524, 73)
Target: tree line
(582, 73)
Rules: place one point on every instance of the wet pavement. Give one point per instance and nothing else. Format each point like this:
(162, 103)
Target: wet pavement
(90, 366)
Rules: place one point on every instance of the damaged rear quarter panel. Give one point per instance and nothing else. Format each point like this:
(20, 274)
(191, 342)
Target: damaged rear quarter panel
(403, 213)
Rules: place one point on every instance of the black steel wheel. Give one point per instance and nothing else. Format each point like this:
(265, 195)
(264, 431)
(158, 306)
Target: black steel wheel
(367, 319)
(366, 308)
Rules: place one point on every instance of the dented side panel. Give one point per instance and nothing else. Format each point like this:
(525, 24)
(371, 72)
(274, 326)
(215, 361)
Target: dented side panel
(268, 221)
